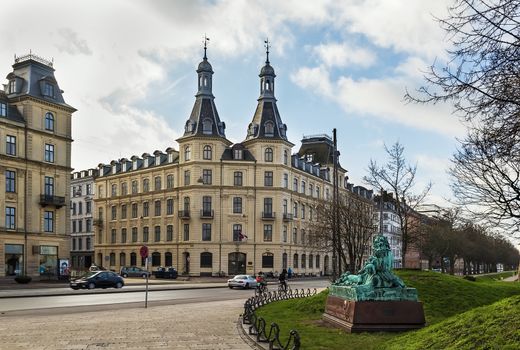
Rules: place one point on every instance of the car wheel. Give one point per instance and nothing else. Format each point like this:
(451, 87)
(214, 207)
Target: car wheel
(91, 285)
(230, 287)
(119, 285)
(246, 286)
(144, 275)
(75, 288)
(125, 275)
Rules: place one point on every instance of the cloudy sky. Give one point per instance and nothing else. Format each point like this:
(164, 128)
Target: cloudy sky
(129, 68)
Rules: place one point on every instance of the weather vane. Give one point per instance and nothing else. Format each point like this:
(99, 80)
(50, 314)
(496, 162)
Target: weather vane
(206, 39)
(267, 49)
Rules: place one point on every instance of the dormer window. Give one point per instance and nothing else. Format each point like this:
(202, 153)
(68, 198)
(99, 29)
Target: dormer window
(134, 165)
(269, 129)
(48, 90)
(3, 109)
(146, 162)
(170, 157)
(237, 154)
(12, 86)
(158, 159)
(207, 126)
(49, 121)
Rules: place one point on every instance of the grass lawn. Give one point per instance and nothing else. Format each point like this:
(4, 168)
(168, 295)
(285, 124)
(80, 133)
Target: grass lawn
(495, 276)
(442, 295)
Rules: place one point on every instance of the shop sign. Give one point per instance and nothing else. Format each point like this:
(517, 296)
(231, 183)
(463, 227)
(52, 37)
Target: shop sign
(48, 250)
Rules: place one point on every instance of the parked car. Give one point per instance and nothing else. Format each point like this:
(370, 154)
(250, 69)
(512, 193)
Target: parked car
(133, 271)
(243, 281)
(165, 272)
(99, 279)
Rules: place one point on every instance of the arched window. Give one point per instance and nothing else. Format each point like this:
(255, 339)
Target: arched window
(157, 183)
(285, 157)
(168, 259)
(317, 261)
(112, 259)
(268, 154)
(122, 259)
(284, 261)
(206, 260)
(146, 185)
(187, 153)
(207, 126)
(169, 182)
(133, 259)
(186, 203)
(269, 129)
(303, 261)
(267, 260)
(295, 261)
(311, 260)
(156, 259)
(207, 152)
(49, 121)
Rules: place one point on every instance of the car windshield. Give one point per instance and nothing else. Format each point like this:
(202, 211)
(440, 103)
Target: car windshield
(241, 277)
(88, 274)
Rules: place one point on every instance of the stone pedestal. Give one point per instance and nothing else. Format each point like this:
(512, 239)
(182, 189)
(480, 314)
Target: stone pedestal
(374, 316)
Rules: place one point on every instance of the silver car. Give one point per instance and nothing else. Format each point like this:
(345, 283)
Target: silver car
(242, 281)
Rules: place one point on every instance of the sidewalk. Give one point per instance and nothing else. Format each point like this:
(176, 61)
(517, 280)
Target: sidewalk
(211, 325)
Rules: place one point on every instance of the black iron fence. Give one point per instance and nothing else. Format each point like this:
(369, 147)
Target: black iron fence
(257, 325)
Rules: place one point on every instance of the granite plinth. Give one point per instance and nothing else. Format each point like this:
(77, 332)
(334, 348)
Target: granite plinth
(374, 316)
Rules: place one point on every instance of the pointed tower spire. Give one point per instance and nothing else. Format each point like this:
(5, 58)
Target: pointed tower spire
(204, 119)
(266, 122)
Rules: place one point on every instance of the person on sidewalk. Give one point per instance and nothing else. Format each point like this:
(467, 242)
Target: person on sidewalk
(283, 280)
(289, 273)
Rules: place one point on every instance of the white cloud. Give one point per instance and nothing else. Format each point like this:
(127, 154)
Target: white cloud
(343, 55)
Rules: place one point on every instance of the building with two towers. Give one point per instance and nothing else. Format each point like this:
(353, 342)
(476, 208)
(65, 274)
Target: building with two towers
(210, 206)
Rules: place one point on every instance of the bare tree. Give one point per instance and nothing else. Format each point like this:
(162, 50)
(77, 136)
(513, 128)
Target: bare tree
(355, 229)
(398, 177)
(481, 80)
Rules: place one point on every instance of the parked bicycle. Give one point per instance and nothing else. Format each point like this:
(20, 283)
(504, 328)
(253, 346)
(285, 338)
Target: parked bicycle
(261, 289)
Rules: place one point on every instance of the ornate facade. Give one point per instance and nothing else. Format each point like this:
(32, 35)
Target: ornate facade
(35, 152)
(214, 207)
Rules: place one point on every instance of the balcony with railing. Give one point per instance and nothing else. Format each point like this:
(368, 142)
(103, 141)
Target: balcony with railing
(184, 214)
(97, 222)
(206, 214)
(288, 216)
(47, 199)
(268, 215)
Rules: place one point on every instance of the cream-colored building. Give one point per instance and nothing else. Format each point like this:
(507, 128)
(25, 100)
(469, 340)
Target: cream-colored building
(35, 135)
(215, 207)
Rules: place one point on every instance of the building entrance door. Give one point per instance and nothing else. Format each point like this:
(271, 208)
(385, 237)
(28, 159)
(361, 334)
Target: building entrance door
(186, 258)
(236, 263)
(13, 259)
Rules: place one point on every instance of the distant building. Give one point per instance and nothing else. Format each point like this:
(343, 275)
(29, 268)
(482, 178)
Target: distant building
(81, 213)
(35, 151)
(391, 222)
(213, 206)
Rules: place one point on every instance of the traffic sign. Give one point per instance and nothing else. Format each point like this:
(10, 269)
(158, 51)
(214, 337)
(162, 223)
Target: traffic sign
(143, 251)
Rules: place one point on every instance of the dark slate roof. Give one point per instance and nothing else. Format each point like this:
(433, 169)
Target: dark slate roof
(12, 112)
(246, 155)
(204, 66)
(267, 70)
(204, 109)
(31, 74)
(266, 111)
(320, 148)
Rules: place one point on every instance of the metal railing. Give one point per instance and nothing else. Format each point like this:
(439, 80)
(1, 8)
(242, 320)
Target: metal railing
(268, 215)
(206, 214)
(184, 214)
(258, 326)
(49, 199)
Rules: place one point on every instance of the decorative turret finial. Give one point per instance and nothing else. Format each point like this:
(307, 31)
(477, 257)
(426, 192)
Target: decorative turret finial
(267, 50)
(206, 39)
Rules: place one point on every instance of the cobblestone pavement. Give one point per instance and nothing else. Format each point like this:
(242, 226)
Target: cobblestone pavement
(210, 325)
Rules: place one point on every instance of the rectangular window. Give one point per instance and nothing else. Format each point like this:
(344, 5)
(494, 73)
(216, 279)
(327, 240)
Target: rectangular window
(114, 212)
(10, 145)
(206, 232)
(114, 190)
(268, 233)
(237, 233)
(303, 211)
(124, 189)
(267, 261)
(48, 221)
(80, 225)
(134, 187)
(10, 218)
(157, 231)
(88, 244)
(268, 206)
(169, 233)
(207, 177)
(3, 110)
(89, 189)
(113, 236)
(206, 206)
(49, 186)
(295, 185)
(88, 207)
(74, 244)
(284, 234)
(237, 178)
(206, 260)
(48, 90)
(268, 178)
(186, 236)
(311, 189)
(134, 210)
(286, 180)
(146, 209)
(169, 182)
(169, 206)
(134, 234)
(295, 236)
(88, 225)
(74, 226)
(157, 208)
(158, 184)
(187, 176)
(303, 187)
(146, 233)
(123, 211)
(123, 235)
(49, 153)
(10, 181)
(237, 205)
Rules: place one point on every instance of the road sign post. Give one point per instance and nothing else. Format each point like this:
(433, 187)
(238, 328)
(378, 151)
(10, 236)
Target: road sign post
(144, 254)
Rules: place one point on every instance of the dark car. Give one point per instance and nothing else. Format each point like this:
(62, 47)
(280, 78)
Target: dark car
(99, 279)
(165, 272)
(133, 271)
